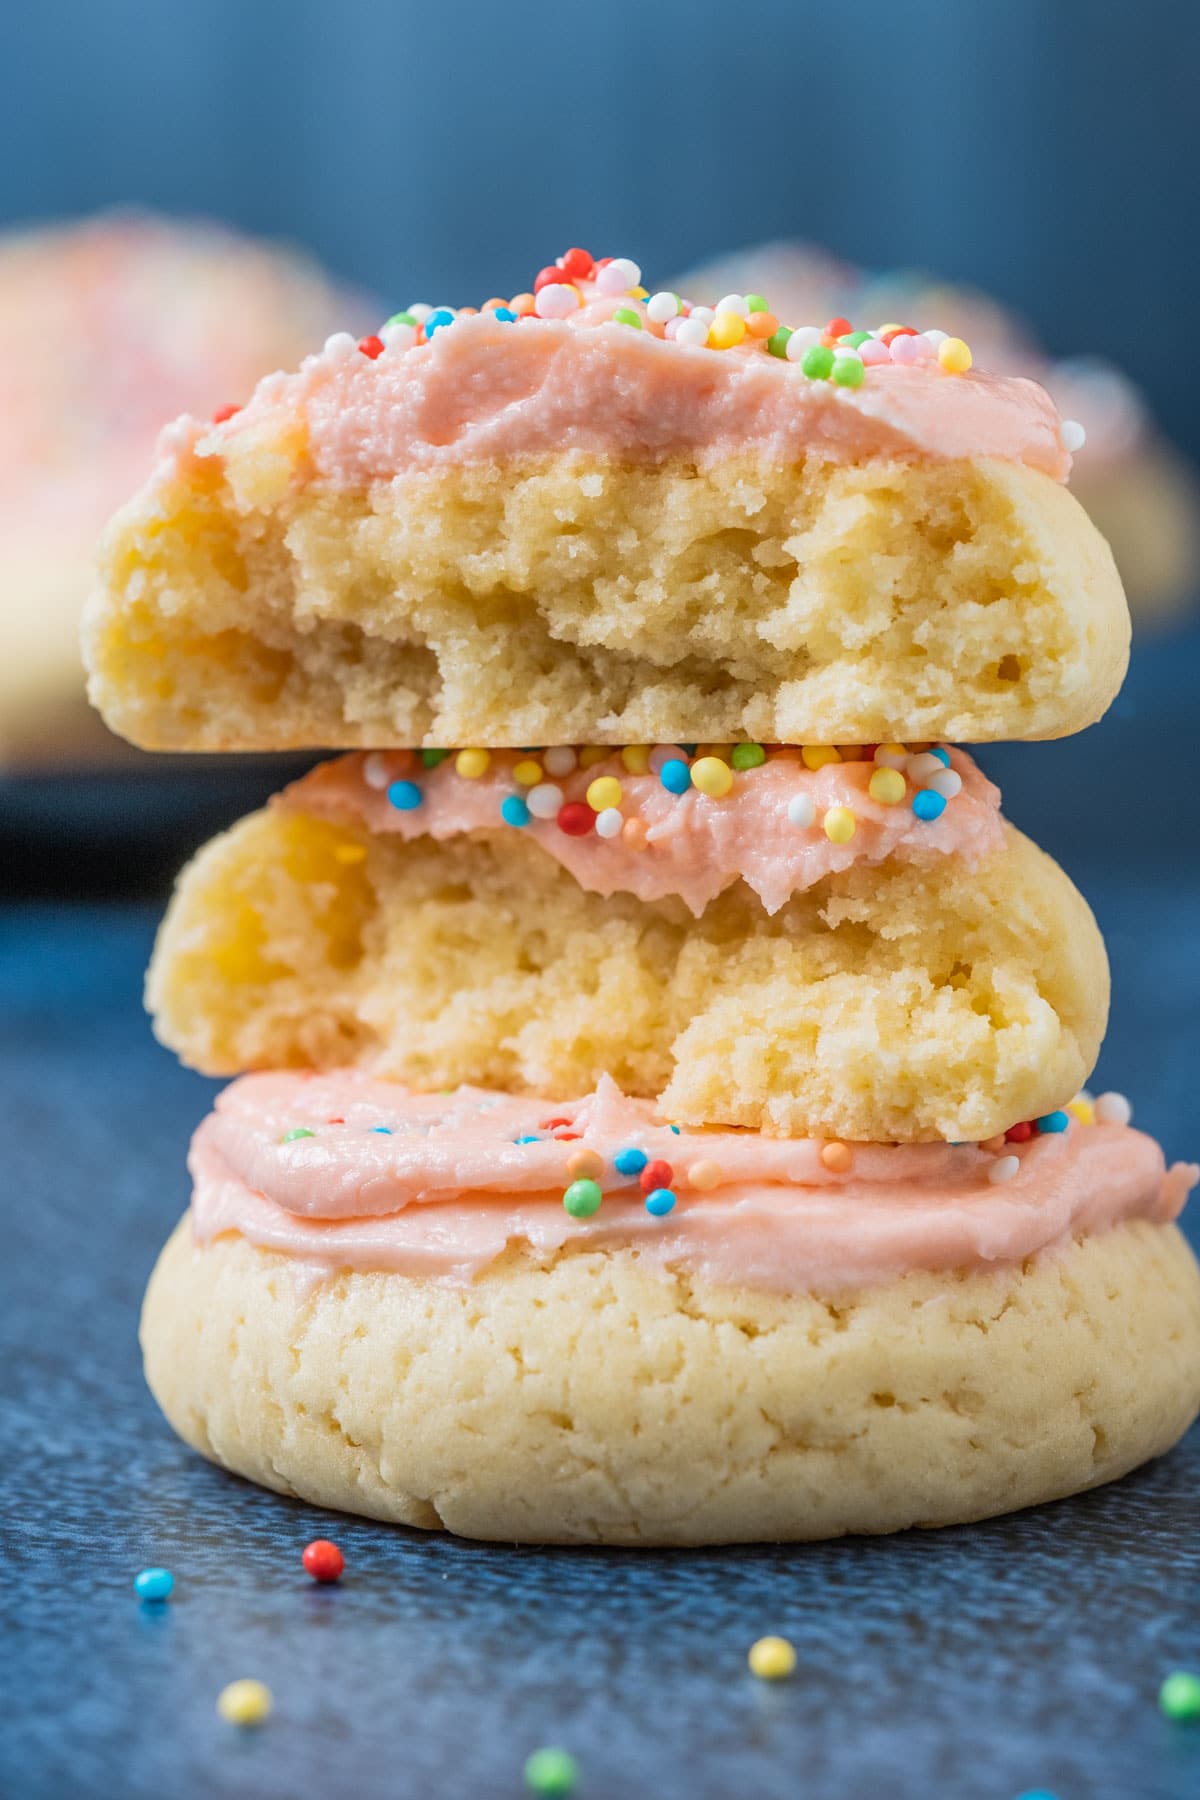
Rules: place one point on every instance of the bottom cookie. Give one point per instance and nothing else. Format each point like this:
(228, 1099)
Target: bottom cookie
(595, 1399)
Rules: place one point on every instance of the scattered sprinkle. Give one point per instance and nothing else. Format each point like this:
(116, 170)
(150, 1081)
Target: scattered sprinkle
(585, 1164)
(747, 756)
(660, 1201)
(1074, 437)
(153, 1584)
(1053, 1122)
(527, 773)
(544, 800)
(472, 763)
(837, 1157)
(1003, 1169)
(712, 776)
(630, 1161)
(551, 1772)
(323, 1560)
(656, 1174)
(405, 796)
(603, 793)
(1179, 1697)
(928, 805)
(801, 811)
(839, 824)
(675, 776)
(297, 1131)
(609, 823)
(245, 1702)
(771, 1659)
(514, 811)
(887, 786)
(1112, 1109)
(576, 818)
(705, 1174)
(560, 761)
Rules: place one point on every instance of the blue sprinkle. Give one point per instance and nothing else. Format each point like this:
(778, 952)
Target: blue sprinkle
(386, 1129)
(530, 1138)
(928, 805)
(405, 796)
(506, 313)
(153, 1584)
(675, 1129)
(513, 810)
(675, 776)
(630, 1162)
(1055, 1121)
(942, 755)
(660, 1201)
(436, 320)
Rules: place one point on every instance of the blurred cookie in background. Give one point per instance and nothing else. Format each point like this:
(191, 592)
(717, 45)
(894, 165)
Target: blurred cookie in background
(1142, 494)
(109, 328)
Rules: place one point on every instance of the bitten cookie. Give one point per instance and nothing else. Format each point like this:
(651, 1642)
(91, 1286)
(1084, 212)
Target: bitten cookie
(599, 515)
(918, 979)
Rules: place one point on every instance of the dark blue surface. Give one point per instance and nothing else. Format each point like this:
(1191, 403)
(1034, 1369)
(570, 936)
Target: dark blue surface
(972, 1664)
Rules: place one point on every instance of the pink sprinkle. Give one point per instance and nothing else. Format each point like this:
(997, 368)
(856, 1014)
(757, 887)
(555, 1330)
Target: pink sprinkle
(904, 350)
(873, 352)
(672, 325)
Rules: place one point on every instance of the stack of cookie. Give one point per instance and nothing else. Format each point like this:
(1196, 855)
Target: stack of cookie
(659, 1118)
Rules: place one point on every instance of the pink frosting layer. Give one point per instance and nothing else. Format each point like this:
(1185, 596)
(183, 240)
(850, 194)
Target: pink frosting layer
(483, 390)
(695, 845)
(447, 1189)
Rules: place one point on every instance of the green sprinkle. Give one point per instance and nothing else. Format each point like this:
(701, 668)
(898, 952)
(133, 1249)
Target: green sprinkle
(551, 1772)
(855, 338)
(401, 319)
(755, 303)
(625, 315)
(581, 1200)
(1179, 1696)
(817, 362)
(431, 758)
(778, 340)
(747, 756)
(297, 1131)
(848, 371)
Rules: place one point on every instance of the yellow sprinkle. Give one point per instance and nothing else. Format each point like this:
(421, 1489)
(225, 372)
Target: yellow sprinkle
(605, 791)
(639, 293)
(879, 329)
(712, 776)
(1083, 1110)
(636, 758)
(954, 356)
(771, 1659)
(705, 1174)
(817, 755)
(726, 330)
(585, 1165)
(840, 824)
(592, 755)
(527, 773)
(244, 1702)
(351, 853)
(888, 786)
(472, 763)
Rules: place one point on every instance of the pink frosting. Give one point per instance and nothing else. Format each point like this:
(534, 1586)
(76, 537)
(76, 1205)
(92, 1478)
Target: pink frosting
(447, 1189)
(484, 390)
(695, 845)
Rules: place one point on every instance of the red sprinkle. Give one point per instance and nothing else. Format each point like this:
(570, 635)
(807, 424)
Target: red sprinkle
(323, 1560)
(655, 1175)
(900, 331)
(838, 327)
(338, 1121)
(224, 412)
(371, 346)
(576, 264)
(545, 276)
(576, 818)
(1019, 1134)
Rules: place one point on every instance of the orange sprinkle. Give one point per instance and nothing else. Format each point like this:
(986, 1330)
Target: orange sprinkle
(521, 303)
(492, 304)
(585, 1165)
(633, 833)
(762, 324)
(838, 1158)
(994, 1144)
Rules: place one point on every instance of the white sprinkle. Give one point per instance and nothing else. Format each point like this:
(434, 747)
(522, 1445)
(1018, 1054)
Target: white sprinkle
(662, 306)
(919, 768)
(936, 337)
(609, 822)
(1003, 1169)
(734, 303)
(399, 337)
(375, 771)
(665, 753)
(544, 800)
(1113, 1109)
(891, 759)
(801, 810)
(947, 783)
(341, 345)
(618, 276)
(1074, 437)
(559, 761)
(420, 310)
(705, 314)
(557, 300)
(691, 331)
(802, 339)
